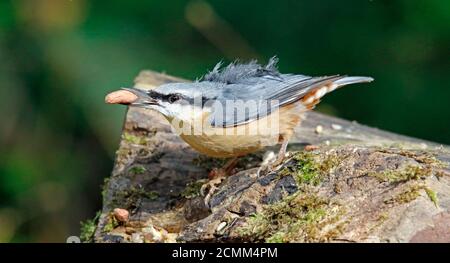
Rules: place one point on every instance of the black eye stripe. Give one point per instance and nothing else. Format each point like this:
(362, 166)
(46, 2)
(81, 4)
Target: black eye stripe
(163, 97)
(155, 95)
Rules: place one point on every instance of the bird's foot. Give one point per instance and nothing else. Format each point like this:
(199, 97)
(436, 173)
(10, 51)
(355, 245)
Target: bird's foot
(270, 163)
(274, 163)
(216, 176)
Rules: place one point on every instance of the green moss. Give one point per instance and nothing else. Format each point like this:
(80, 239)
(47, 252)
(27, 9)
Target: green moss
(278, 237)
(192, 189)
(382, 218)
(379, 221)
(406, 196)
(110, 224)
(301, 217)
(424, 158)
(432, 195)
(331, 162)
(411, 172)
(310, 168)
(412, 193)
(307, 217)
(87, 228)
(134, 139)
(137, 170)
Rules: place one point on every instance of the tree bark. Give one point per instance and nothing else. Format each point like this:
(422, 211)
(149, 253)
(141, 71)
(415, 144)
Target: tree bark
(355, 184)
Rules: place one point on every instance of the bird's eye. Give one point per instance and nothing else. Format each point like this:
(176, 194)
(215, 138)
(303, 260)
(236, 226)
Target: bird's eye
(173, 97)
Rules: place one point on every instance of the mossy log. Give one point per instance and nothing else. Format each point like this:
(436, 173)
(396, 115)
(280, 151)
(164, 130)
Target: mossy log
(359, 184)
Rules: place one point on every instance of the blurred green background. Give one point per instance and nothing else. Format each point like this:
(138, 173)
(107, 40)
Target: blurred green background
(58, 58)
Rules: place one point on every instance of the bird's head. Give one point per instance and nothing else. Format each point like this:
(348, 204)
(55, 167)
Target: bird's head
(177, 100)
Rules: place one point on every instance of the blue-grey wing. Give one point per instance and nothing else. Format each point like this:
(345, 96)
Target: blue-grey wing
(241, 103)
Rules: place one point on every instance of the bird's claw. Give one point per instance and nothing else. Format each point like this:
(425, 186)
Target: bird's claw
(210, 187)
(270, 163)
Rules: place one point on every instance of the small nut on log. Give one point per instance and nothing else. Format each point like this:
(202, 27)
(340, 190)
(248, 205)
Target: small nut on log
(221, 226)
(311, 147)
(120, 97)
(319, 129)
(121, 215)
(336, 127)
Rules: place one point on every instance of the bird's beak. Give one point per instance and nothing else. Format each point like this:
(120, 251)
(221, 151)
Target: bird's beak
(130, 96)
(143, 99)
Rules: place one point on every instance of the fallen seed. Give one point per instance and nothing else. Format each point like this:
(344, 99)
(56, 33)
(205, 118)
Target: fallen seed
(121, 215)
(221, 226)
(319, 129)
(311, 147)
(336, 127)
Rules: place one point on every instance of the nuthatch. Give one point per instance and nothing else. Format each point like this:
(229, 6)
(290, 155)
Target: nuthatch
(212, 101)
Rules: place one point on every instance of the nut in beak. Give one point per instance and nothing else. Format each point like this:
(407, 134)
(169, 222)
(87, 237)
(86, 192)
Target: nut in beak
(121, 97)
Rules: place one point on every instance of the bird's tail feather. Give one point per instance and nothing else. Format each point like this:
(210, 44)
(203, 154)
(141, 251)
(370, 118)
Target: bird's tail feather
(312, 98)
(352, 80)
